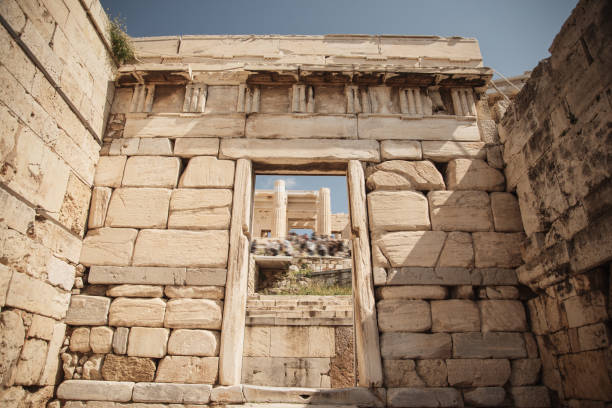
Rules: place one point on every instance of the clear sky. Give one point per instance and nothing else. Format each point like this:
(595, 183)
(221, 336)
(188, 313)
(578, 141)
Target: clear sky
(513, 34)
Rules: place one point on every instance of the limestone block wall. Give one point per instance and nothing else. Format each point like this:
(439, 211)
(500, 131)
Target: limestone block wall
(304, 341)
(557, 152)
(446, 239)
(55, 72)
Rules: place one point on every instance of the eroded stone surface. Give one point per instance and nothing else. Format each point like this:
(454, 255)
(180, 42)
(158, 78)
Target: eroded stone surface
(190, 370)
(460, 211)
(202, 343)
(403, 315)
(151, 171)
(200, 209)
(455, 315)
(122, 368)
(208, 172)
(108, 246)
(467, 174)
(193, 314)
(138, 208)
(478, 372)
(398, 211)
(132, 312)
(405, 175)
(147, 342)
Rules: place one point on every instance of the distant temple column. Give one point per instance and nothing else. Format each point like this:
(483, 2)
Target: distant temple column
(324, 212)
(279, 214)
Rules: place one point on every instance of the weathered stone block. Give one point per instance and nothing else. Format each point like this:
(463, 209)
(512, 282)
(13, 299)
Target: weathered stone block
(181, 248)
(291, 126)
(392, 127)
(227, 394)
(194, 314)
(398, 211)
(433, 372)
(31, 362)
(584, 375)
(485, 396)
(137, 312)
(190, 147)
(454, 316)
(190, 370)
(202, 343)
(151, 171)
(404, 175)
(206, 276)
(446, 151)
(101, 339)
(400, 150)
(210, 125)
(495, 249)
(424, 397)
(409, 248)
(36, 296)
(120, 340)
(12, 335)
(79, 340)
(401, 373)
(138, 208)
(135, 291)
(257, 341)
(88, 310)
(41, 327)
(532, 397)
(147, 342)
(135, 275)
(415, 345)
(300, 150)
(473, 174)
(200, 209)
(506, 212)
(412, 292)
(583, 310)
(109, 171)
(208, 172)
(172, 393)
(95, 390)
(478, 373)
(195, 292)
(403, 315)
(525, 371)
(285, 371)
(502, 315)
(122, 368)
(458, 251)
(108, 246)
(460, 210)
(60, 273)
(100, 198)
(155, 147)
(431, 276)
(489, 345)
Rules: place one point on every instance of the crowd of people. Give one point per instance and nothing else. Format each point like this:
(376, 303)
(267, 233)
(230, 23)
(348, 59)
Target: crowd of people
(301, 245)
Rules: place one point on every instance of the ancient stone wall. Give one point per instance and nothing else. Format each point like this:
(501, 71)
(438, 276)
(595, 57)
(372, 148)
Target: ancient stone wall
(558, 153)
(56, 90)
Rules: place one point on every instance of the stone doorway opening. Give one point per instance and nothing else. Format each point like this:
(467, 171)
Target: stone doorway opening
(299, 316)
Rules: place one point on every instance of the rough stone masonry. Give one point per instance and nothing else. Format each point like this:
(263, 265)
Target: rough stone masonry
(126, 198)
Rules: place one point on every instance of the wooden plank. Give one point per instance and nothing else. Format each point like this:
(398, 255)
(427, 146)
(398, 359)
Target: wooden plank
(234, 312)
(366, 328)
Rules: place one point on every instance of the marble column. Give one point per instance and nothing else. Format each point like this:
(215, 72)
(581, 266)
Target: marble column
(324, 212)
(279, 213)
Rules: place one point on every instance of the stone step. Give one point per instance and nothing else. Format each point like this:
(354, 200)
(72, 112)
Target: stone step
(312, 396)
(310, 321)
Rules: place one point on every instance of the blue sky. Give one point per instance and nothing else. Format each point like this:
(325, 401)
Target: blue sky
(513, 35)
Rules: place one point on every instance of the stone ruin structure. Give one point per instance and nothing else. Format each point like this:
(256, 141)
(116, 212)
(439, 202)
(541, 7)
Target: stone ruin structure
(126, 215)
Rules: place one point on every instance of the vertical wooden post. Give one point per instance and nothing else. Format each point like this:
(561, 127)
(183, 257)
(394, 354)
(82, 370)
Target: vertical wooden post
(366, 327)
(234, 309)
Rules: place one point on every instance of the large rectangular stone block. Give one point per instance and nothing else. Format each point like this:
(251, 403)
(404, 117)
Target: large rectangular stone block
(395, 127)
(299, 150)
(403, 315)
(181, 248)
(82, 390)
(138, 208)
(206, 276)
(506, 212)
(400, 150)
(502, 315)
(478, 372)
(424, 397)
(189, 147)
(151, 171)
(35, 296)
(446, 151)
(189, 370)
(137, 312)
(194, 314)
(148, 342)
(431, 276)
(455, 315)
(489, 345)
(109, 171)
(412, 292)
(460, 211)
(301, 126)
(200, 209)
(398, 211)
(202, 343)
(172, 393)
(100, 198)
(226, 125)
(208, 172)
(88, 310)
(398, 345)
(136, 275)
(473, 174)
(408, 248)
(496, 249)
(108, 246)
